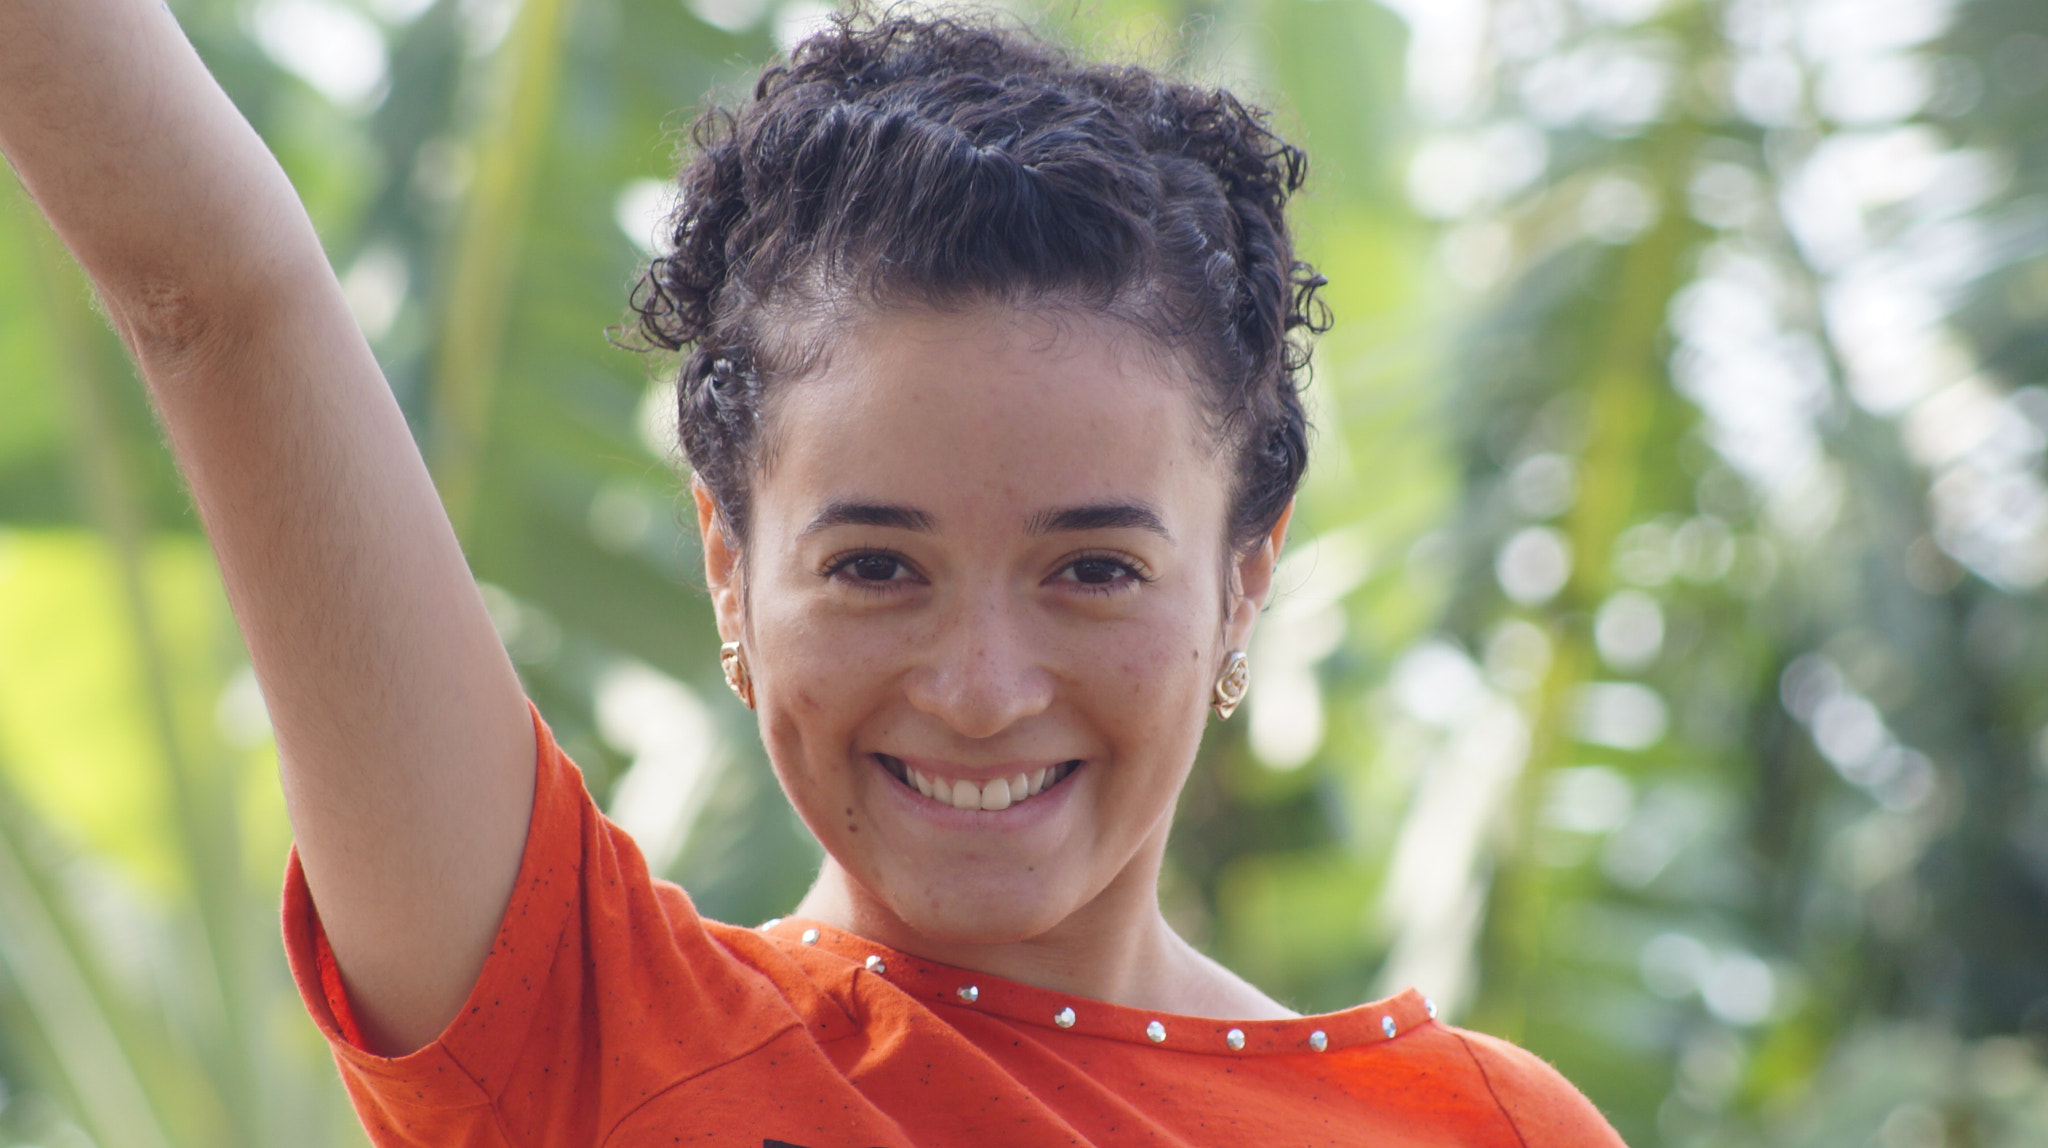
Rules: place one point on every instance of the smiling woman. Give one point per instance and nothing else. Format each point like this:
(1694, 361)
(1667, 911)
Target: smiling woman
(991, 398)
(963, 565)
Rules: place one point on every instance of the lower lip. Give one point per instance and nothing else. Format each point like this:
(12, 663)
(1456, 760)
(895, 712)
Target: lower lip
(1023, 815)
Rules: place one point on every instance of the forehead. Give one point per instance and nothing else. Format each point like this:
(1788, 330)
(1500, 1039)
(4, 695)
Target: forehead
(990, 414)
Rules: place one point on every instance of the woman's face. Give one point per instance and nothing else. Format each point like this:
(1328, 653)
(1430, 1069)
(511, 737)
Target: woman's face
(986, 596)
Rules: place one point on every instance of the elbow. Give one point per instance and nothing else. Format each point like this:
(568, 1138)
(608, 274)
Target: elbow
(165, 322)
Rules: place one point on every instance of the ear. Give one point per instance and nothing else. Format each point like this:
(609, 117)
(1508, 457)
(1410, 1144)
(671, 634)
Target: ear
(721, 563)
(1252, 579)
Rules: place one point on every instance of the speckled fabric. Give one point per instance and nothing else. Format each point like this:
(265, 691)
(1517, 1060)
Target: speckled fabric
(609, 1013)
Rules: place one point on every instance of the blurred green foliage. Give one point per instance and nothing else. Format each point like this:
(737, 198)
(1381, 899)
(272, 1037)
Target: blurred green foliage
(1658, 673)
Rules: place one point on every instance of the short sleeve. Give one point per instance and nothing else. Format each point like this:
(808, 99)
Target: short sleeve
(1544, 1107)
(602, 988)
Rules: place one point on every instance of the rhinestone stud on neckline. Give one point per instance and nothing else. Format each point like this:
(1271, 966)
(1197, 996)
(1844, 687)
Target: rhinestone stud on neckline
(770, 923)
(876, 964)
(1318, 1040)
(1064, 1018)
(810, 936)
(1235, 1039)
(1387, 1026)
(968, 993)
(1155, 1032)
(1429, 1006)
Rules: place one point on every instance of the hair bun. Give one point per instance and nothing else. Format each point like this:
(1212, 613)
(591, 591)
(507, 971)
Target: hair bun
(904, 160)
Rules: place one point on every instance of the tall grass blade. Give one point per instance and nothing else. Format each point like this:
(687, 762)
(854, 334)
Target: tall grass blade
(486, 255)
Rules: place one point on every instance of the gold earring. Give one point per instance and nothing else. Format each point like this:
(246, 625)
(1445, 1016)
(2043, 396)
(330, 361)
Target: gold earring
(1231, 685)
(732, 658)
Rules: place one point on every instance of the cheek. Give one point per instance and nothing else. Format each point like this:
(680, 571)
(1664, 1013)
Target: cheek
(810, 692)
(1163, 651)
(823, 683)
(800, 737)
(1150, 685)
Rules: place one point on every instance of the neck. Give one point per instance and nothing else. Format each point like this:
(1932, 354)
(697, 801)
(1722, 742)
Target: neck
(1116, 948)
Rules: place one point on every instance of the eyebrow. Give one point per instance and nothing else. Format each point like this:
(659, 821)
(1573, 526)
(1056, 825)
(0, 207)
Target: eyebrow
(1099, 516)
(870, 514)
(1069, 519)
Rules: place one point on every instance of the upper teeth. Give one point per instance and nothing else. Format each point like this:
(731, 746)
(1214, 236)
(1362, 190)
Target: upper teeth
(997, 794)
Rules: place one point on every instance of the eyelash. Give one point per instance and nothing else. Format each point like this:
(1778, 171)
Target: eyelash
(1133, 572)
(838, 569)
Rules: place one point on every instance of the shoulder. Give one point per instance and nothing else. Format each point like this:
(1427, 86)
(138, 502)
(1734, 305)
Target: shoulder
(1544, 1107)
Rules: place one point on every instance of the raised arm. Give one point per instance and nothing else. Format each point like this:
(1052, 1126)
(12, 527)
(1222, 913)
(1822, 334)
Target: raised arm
(406, 747)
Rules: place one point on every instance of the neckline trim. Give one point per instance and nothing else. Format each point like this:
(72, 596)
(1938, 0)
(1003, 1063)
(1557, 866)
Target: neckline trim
(946, 988)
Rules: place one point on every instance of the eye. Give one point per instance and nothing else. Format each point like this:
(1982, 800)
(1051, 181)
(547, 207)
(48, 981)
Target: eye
(1102, 573)
(874, 567)
(870, 569)
(1098, 571)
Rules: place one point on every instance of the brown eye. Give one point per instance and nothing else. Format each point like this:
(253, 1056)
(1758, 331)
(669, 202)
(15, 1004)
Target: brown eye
(872, 571)
(1098, 571)
(1103, 574)
(874, 567)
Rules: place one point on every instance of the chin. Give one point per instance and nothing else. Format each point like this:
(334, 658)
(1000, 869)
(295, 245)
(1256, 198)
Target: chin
(965, 901)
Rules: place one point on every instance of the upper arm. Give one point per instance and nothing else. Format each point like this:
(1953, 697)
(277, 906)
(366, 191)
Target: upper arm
(406, 747)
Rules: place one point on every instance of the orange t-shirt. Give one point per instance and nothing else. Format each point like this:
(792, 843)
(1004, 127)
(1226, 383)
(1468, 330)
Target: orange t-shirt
(609, 1013)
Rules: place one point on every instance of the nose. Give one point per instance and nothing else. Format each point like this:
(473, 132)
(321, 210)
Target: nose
(981, 671)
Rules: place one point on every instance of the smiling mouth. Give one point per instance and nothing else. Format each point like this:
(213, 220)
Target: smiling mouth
(992, 796)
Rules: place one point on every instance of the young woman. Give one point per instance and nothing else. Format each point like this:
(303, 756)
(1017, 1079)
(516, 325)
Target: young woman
(990, 397)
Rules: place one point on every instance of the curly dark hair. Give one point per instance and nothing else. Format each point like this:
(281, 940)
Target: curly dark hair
(895, 160)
